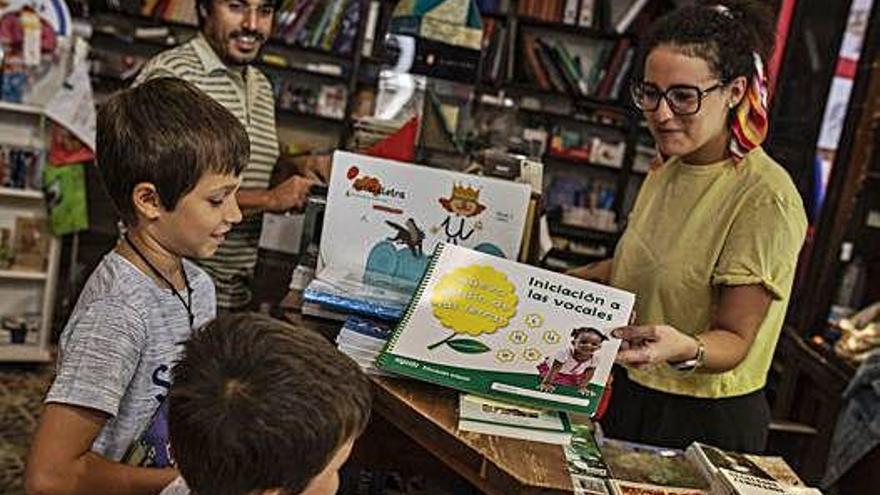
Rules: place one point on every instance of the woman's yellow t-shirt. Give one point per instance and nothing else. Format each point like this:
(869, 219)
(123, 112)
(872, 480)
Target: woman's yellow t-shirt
(695, 228)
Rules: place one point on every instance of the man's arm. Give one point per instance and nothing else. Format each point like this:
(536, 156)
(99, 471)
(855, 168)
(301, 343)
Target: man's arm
(289, 195)
(61, 462)
(316, 167)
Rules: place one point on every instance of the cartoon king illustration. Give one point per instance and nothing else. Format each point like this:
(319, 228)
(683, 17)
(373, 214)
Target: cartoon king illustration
(464, 203)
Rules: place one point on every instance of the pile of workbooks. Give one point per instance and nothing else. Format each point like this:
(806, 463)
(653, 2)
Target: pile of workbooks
(362, 340)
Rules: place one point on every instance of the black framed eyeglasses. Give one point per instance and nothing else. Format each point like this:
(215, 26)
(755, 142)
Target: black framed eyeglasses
(682, 99)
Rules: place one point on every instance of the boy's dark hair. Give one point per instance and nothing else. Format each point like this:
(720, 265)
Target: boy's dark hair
(258, 405)
(575, 332)
(206, 6)
(168, 133)
(724, 33)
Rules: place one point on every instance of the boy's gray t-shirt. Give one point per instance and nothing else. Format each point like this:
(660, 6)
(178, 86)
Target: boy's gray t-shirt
(118, 347)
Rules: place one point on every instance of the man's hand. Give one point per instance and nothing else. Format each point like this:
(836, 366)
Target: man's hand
(291, 194)
(315, 167)
(648, 345)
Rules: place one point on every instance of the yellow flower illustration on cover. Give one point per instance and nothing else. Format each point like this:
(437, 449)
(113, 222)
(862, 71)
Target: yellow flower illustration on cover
(518, 337)
(473, 300)
(505, 356)
(552, 337)
(532, 354)
(534, 320)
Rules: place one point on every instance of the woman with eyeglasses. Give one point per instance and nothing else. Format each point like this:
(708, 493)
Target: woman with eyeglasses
(712, 241)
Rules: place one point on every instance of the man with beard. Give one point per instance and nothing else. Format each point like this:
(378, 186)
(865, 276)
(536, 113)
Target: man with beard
(218, 60)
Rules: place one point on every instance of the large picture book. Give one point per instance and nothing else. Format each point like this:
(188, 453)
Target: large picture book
(384, 218)
(499, 329)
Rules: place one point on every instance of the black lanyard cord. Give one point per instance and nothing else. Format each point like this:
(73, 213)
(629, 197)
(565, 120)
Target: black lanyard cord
(186, 304)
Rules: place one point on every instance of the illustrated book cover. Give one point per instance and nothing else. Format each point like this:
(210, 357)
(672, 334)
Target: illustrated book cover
(508, 331)
(384, 218)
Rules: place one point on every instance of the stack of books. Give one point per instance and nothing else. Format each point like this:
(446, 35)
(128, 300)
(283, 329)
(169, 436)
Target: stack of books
(492, 417)
(362, 340)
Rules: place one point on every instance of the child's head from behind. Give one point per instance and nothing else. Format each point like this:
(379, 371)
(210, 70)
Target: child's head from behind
(170, 157)
(586, 340)
(260, 407)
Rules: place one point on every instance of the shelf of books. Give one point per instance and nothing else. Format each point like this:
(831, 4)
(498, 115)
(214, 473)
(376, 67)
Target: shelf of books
(561, 66)
(32, 194)
(311, 56)
(29, 253)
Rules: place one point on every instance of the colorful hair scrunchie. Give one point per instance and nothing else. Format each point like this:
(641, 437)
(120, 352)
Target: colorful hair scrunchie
(749, 124)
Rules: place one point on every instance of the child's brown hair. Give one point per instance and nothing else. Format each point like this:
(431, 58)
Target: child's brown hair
(168, 133)
(257, 405)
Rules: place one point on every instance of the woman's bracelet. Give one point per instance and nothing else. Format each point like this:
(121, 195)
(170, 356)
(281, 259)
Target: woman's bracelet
(694, 363)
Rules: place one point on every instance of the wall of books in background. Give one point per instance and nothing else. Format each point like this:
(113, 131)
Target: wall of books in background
(564, 67)
(552, 83)
(311, 58)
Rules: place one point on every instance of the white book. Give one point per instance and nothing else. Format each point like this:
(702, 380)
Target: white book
(732, 472)
(384, 218)
(629, 16)
(370, 28)
(586, 13)
(491, 417)
(570, 12)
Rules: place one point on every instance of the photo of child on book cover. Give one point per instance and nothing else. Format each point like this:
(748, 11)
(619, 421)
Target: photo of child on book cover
(573, 365)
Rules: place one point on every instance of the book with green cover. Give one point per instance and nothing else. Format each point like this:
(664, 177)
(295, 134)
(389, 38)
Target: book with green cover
(491, 417)
(508, 331)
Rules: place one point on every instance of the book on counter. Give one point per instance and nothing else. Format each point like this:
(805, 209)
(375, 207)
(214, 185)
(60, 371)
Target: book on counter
(734, 473)
(630, 488)
(632, 464)
(362, 340)
(384, 218)
(508, 331)
(491, 417)
(585, 463)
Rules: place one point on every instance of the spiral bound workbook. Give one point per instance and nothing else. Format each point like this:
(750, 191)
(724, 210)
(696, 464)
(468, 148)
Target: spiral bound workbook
(505, 330)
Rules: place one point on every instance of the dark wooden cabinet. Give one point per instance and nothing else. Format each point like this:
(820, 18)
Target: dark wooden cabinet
(809, 376)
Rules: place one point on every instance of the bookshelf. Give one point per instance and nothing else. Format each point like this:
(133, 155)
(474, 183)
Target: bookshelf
(29, 254)
(585, 29)
(572, 103)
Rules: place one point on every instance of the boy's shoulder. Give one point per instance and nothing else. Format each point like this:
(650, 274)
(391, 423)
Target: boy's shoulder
(116, 284)
(196, 275)
(116, 278)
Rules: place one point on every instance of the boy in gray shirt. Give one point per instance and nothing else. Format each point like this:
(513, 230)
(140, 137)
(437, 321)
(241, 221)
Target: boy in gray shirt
(170, 158)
